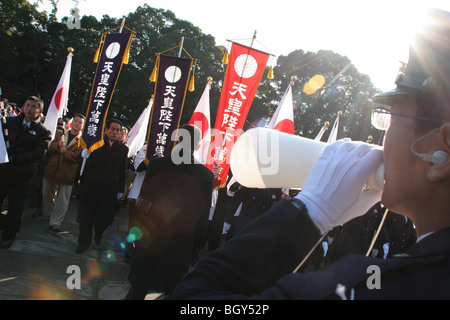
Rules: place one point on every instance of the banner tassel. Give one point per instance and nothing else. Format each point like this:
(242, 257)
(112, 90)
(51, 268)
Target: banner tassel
(191, 84)
(96, 55)
(97, 52)
(270, 74)
(225, 58)
(153, 76)
(126, 56)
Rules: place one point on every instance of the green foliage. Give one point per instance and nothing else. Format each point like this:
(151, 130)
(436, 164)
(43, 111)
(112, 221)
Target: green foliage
(34, 50)
(348, 92)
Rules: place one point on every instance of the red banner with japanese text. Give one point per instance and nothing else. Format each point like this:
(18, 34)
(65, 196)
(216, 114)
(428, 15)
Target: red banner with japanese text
(244, 71)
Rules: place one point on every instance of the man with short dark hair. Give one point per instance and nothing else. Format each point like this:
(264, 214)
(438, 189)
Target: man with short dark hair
(28, 141)
(259, 262)
(104, 182)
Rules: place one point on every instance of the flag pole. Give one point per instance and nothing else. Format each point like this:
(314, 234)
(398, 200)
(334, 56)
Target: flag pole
(121, 26)
(181, 47)
(84, 159)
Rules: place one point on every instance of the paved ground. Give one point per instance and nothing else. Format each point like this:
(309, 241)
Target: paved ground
(40, 263)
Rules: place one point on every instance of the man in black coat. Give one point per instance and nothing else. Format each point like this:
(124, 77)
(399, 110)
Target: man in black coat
(173, 211)
(260, 261)
(28, 141)
(356, 235)
(103, 184)
(253, 202)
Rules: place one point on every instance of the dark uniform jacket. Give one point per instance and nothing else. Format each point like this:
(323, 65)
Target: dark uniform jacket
(401, 233)
(27, 147)
(104, 178)
(259, 261)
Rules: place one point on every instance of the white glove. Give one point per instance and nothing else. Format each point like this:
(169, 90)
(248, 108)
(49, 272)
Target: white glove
(333, 192)
(385, 250)
(85, 153)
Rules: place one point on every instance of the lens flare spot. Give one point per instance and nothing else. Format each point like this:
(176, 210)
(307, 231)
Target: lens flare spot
(94, 269)
(134, 234)
(131, 238)
(110, 255)
(314, 84)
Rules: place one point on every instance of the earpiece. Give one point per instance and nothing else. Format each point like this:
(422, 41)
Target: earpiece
(438, 157)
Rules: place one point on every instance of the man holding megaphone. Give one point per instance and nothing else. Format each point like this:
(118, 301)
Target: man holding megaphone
(261, 261)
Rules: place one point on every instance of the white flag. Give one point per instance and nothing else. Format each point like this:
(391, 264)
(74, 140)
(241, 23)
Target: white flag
(58, 105)
(138, 134)
(3, 152)
(321, 132)
(334, 131)
(201, 119)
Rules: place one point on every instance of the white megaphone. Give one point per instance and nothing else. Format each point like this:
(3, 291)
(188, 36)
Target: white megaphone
(267, 158)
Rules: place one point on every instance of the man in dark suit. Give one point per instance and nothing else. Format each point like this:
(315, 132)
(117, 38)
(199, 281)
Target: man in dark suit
(104, 182)
(253, 202)
(260, 261)
(28, 141)
(173, 211)
(356, 235)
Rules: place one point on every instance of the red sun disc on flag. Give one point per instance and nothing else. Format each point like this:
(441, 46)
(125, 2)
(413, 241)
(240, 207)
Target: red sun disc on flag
(199, 120)
(286, 126)
(58, 98)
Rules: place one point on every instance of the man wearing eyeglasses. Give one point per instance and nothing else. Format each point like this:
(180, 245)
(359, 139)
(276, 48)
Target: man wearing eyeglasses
(260, 262)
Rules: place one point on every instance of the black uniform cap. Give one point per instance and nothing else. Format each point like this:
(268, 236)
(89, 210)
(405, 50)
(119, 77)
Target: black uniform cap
(427, 72)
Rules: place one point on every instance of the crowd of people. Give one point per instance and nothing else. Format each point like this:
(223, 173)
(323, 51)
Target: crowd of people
(262, 243)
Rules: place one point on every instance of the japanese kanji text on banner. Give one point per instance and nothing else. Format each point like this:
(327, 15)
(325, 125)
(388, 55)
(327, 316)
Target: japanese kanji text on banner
(242, 78)
(108, 70)
(170, 92)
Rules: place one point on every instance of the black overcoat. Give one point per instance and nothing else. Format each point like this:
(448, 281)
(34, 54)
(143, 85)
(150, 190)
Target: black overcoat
(103, 179)
(173, 210)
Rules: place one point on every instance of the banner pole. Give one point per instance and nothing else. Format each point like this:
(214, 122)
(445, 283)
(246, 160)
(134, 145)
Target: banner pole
(181, 47)
(121, 26)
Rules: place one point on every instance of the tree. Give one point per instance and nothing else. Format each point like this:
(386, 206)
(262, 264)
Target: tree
(34, 50)
(345, 90)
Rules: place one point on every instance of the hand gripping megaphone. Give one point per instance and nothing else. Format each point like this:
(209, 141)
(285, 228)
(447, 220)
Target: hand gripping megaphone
(267, 158)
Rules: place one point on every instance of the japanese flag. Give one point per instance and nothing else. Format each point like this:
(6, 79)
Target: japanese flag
(283, 119)
(201, 119)
(58, 105)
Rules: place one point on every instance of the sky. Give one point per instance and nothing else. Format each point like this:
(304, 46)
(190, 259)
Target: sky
(374, 35)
